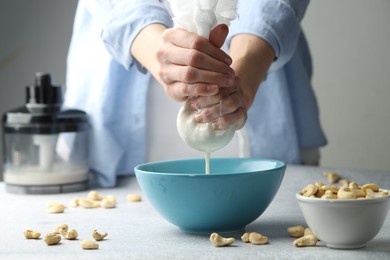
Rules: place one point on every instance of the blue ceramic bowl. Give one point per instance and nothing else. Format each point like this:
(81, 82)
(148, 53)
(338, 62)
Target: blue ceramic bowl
(234, 194)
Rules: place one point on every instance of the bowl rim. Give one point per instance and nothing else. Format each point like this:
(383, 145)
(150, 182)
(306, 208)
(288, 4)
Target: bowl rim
(279, 166)
(311, 200)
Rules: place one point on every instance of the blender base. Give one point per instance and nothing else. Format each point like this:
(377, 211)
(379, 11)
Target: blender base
(47, 189)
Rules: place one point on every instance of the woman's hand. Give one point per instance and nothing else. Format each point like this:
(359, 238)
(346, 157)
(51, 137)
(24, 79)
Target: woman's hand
(224, 109)
(191, 65)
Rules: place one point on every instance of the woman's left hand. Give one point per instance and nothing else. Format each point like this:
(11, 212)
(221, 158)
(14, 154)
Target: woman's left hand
(224, 109)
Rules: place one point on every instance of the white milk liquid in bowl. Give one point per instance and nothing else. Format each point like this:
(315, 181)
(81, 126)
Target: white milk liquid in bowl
(164, 141)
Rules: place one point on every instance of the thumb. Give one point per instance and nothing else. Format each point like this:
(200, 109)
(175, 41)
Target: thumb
(218, 35)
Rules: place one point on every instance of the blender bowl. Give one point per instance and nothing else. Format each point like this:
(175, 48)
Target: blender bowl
(45, 145)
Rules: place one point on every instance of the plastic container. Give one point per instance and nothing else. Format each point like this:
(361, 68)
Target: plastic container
(44, 145)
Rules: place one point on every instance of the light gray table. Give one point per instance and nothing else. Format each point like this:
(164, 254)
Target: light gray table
(136, 231)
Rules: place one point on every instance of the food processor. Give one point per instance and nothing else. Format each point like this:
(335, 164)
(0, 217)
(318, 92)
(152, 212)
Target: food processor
(45, 145)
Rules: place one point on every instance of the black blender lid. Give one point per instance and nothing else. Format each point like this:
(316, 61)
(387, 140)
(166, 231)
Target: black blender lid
(42, 113)
(43, 96)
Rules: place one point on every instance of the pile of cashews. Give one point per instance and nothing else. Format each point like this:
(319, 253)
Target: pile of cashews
(347, 190)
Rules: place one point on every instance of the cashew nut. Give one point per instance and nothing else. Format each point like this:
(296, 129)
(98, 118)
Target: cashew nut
(107, 203)
(320, 191)
(308, 240)
(257, 239)
(71, 235)
(329, 195)
(346, 193)
(74, 203)
(371, 194)
(61, 228)
(332, 188)
(52, 239)
(309, 232)
(31, 234)
(98, 236)
(344, 182)
(110, 197)
(133, 198)
(332, 177)
(245, 237)
(309, 190)
(372, 186)
(89, 204)
(56, 208)
(89, 244)
(219, 241)
(353, 185)
(94, 195)
(296, 231)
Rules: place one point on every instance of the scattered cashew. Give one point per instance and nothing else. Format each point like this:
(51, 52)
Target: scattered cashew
(94, 195)
(110, 197)
(89, 244)
(220, 241)
(74, 203)
(308, 232)
(56, 208)
(332, 177)
(98, 236)
(31, 234)
(52, 239)
(308, 240)
(257, 239)
(133, 198)
(245, 237)
(70, 235)
(296, 231)
(89, 204)
(108, 203)
(61, 228)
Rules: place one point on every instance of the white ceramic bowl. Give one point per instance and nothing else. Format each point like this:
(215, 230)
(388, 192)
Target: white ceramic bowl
(344, 223)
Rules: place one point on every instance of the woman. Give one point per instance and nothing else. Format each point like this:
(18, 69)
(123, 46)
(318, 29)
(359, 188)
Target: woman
(264, 82)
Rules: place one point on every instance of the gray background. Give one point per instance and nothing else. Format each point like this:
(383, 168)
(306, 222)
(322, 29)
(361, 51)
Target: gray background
(349, 42)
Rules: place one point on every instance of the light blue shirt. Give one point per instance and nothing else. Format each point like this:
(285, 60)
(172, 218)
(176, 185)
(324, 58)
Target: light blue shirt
(104, 80)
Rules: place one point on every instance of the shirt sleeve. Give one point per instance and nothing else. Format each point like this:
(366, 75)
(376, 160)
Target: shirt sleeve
(275, 21)
(125, 20)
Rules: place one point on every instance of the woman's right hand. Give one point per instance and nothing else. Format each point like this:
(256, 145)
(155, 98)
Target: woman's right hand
(191, 65)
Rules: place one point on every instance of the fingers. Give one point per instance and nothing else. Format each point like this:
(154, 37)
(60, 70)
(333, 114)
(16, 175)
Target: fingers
(218, 35)
(224, 111)
(185, 39)
(192, 58)
(190, 65)
(186, 74)
(237, 119)
(225, 106)
(180, 91)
